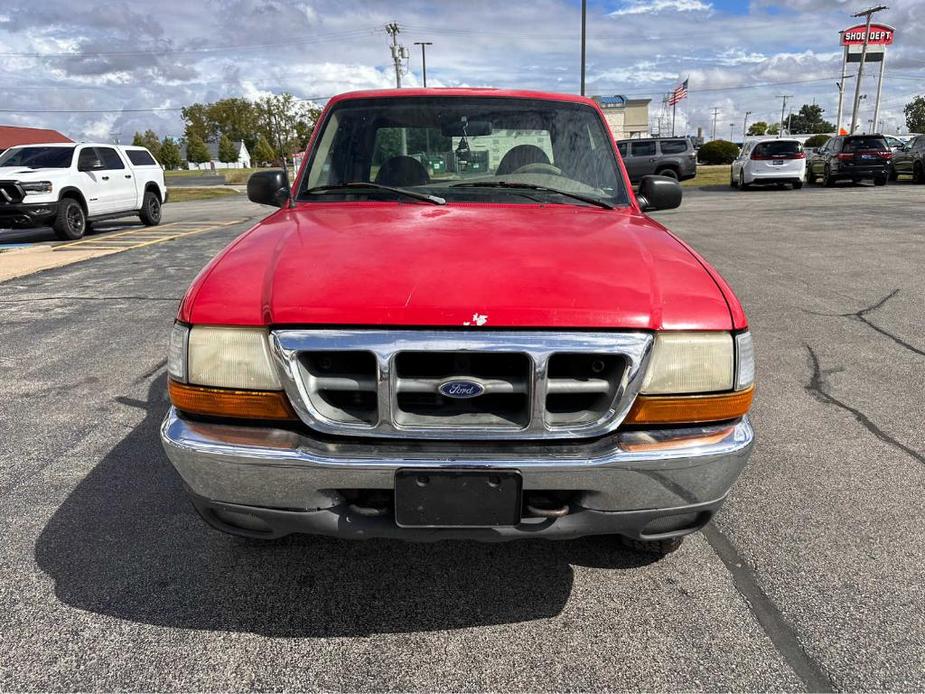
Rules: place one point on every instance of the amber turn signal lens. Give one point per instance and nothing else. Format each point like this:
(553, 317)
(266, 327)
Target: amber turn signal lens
(689, 409)
(225, 402)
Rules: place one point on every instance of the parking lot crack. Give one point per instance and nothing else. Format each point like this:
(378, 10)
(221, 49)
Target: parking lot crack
(781, 633)
(819, 387)
(861, 315)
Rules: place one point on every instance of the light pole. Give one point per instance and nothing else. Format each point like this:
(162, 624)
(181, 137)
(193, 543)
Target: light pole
(732, 127)
(745, 124)
(857, 89)
(584, 22)
(424, 45)
(783, 109)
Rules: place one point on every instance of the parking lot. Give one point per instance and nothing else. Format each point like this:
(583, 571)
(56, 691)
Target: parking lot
(810, 577)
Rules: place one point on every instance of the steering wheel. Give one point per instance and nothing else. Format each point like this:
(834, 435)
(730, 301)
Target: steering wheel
(539, 168)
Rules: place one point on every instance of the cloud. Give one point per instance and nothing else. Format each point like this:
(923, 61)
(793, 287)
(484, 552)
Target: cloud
(120, 56)
(654, 6)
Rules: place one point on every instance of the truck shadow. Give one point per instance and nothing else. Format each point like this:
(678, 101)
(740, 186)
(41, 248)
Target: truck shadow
(127, 544)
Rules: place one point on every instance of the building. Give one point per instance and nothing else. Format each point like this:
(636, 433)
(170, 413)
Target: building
(243, 161)
(627, 118)
(13, 135)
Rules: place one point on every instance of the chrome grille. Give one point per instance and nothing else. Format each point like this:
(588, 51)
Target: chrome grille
(534, 384)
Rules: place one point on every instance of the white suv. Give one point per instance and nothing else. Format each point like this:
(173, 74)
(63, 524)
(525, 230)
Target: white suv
(69, 186)
(777, 161)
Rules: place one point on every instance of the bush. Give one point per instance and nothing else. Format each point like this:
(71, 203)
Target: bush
(717, 152)
(816, 141)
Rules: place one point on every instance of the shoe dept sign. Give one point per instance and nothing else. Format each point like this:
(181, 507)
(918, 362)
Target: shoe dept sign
(880, 35)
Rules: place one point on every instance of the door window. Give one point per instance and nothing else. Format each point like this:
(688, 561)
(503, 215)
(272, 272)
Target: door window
(622, 147)
(643, 149)
(89, 160)
(673, 146)
(111, 159)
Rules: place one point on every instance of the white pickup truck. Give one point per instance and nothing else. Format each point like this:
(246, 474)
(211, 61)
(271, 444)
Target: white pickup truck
(70, 186)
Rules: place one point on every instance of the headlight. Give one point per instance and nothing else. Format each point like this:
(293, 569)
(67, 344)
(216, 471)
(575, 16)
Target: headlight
(230, 358)
(689, 362)
(36, 187)
(690, 379)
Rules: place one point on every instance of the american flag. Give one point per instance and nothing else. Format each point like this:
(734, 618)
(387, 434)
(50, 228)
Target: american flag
(679, 93)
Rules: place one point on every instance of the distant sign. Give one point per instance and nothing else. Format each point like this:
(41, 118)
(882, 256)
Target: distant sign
(880, 35)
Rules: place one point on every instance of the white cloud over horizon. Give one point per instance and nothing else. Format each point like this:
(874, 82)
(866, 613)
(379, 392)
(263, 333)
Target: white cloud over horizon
(116, 56)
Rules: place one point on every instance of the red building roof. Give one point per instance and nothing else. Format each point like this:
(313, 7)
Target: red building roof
(12, 135)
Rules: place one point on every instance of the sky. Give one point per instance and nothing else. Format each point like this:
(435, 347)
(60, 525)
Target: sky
(102, 70)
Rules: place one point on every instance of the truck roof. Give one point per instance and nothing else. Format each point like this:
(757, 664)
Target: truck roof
(462, 92)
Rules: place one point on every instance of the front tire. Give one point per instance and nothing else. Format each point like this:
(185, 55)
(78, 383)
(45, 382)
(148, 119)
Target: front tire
(150, 213)
(742, 184)
(827, 180)
(71, 221)
(733, 183)
(810, 175)
(880, 181)
(893, 174)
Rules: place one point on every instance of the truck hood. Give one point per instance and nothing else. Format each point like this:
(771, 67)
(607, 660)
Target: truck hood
(22, 173)
(410, 264)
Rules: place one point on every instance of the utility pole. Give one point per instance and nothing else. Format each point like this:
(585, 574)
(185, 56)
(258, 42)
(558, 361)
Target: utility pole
(399, 53)
(715, 113)
(732, 127)
(745, 125)
(868, 13)
(584, 21)
(424, 45)
(783, 108)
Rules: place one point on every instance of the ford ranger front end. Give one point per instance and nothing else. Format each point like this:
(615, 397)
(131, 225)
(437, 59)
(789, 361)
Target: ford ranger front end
(488, 341)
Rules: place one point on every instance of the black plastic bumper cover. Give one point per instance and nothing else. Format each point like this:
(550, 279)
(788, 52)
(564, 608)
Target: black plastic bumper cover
(343, 522)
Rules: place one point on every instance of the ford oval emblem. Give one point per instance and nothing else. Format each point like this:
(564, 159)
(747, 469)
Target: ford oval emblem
(461, 389)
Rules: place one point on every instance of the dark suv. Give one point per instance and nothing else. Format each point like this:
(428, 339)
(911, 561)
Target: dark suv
(850, 157)
(909, 160)
(674, 157)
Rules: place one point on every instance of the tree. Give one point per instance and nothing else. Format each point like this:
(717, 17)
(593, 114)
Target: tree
(198, 122)
(170, 154)
(773, 129)
(149, 140)
(196, 150)
(816, 141)
(915, 115)
(809, 120)
(758, 128)
(263, 152)
(718, 152)
(227, 152)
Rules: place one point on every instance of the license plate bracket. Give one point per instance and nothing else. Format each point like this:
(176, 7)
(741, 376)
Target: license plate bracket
(457, 498)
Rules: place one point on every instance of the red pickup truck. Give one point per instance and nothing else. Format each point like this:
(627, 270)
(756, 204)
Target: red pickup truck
(460, 324)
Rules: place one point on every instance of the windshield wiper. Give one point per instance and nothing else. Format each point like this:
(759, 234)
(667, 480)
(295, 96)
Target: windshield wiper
(355, 185)
(534, 186)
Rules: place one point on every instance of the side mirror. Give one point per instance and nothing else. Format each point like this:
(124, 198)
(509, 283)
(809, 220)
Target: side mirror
(659, 193)
(91, 165)
(268, 188)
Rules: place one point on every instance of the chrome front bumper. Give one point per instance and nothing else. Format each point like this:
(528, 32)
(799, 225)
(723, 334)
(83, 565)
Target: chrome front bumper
(293, 481)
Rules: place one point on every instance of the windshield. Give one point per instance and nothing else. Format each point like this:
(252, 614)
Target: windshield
(38, 157)
(464, 150)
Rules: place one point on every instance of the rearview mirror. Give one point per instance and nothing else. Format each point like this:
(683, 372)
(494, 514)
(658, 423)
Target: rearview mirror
(268, 188)
(659, 193)
(464, 128)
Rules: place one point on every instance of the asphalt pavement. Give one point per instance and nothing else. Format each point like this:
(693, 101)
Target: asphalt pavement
(810, 577)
